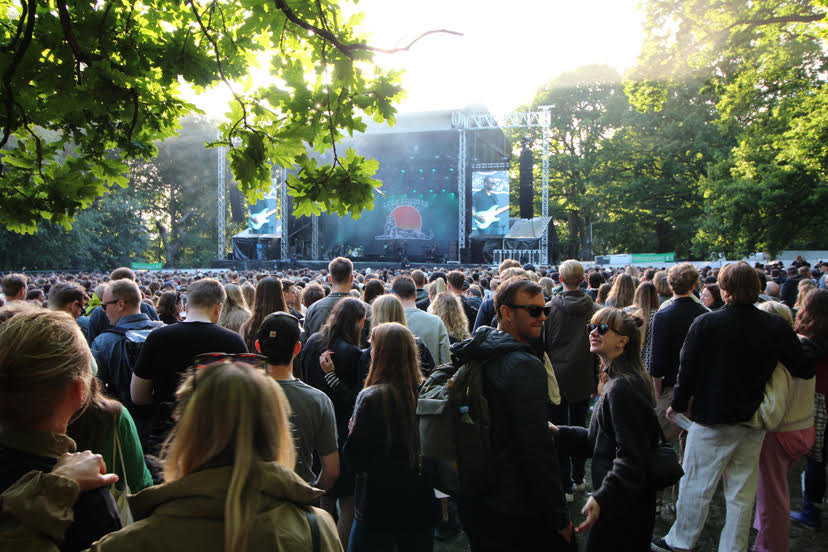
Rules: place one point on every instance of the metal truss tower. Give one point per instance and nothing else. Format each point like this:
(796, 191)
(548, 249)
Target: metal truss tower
(479, 121)
(221, 207)
(283, 242)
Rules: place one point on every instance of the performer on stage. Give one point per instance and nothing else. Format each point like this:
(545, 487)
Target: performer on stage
(486, 211)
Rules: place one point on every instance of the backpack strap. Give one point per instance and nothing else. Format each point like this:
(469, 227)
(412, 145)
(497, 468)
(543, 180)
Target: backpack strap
(316, 545)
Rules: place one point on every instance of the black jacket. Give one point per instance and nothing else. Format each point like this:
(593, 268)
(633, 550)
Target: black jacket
(622, 433)
(727, 358)
(391, 494)
(529, 483)
(670, 327)
(790, 289)
(567, 344)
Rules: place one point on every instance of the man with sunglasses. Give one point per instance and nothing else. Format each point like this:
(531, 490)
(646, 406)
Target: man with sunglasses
(525, 508)
(70, 297)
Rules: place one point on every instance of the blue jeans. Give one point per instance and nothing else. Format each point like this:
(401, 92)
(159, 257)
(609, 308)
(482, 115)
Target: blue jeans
(369, 539)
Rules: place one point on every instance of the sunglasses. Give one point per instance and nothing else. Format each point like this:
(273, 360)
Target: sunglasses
(203, 360)
(602, 328)
(533, 310)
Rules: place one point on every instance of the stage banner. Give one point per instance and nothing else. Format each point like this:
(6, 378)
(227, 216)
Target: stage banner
(147, 266)
(490, 204)
(264, 215)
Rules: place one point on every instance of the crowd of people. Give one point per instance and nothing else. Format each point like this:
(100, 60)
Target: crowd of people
(247, 410)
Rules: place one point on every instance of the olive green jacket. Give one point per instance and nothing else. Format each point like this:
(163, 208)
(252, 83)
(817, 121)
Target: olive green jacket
(186, 515)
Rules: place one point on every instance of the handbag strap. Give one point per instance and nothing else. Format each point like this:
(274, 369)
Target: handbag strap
(316, 545)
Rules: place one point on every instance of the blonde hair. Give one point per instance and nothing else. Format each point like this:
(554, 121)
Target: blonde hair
(436, 287)
(230, 414)
(804, 287)
(235, 311)
(41, 352)
(779, 309)
(571, 272)
(387, 308)
(249, 292)
(450, 310)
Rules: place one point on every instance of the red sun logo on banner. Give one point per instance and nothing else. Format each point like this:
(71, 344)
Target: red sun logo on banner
(407, 217)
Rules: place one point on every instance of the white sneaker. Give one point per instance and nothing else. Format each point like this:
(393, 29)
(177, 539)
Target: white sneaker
(569, 497)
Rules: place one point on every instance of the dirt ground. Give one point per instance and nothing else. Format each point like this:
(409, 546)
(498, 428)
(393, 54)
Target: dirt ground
(802, 539)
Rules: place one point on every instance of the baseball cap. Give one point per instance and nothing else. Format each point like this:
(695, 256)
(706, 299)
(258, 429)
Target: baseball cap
(278, 332)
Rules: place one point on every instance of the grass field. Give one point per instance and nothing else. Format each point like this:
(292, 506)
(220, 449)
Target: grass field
(802, 539)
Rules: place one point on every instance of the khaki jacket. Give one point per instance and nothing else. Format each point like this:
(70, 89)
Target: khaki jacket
(183, 515)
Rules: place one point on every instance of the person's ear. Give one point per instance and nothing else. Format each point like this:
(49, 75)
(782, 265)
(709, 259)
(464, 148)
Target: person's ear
(297, 348)
(258, 347)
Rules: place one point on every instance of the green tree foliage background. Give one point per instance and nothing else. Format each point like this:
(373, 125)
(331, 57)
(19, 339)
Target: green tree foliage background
(714, 143)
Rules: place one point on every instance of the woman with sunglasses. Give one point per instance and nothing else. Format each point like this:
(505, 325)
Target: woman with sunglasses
(395, 503)
(229, 484)
(622, 433)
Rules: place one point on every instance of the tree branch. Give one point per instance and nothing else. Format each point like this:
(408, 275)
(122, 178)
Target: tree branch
(347, 49)
(804, 18)
(31, 11)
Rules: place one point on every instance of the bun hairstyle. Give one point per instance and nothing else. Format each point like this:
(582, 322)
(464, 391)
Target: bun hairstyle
(628, 364)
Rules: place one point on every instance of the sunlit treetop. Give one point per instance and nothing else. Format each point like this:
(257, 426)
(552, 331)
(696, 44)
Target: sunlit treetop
(88, 86)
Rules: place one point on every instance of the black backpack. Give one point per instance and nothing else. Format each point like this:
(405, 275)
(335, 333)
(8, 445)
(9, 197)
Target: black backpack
(454, 423)
(116, 380)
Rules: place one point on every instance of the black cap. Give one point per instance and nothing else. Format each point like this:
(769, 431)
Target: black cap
(277, 335)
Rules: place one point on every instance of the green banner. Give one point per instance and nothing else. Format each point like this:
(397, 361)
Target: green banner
(653, 257)
(147, 266)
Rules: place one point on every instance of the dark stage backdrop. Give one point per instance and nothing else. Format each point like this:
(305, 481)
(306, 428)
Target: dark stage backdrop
(415, 210)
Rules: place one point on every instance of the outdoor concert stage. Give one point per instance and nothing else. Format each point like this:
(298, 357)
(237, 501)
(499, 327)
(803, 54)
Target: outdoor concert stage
(444, 199)
(278, 265)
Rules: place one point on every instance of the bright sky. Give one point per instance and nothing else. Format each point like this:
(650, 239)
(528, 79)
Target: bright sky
(509, 48)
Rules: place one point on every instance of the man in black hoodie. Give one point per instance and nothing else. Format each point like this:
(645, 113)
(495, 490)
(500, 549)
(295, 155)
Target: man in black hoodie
(576, 369)
(525, 508)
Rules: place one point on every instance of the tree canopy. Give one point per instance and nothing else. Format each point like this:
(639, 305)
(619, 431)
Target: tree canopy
(88, 87)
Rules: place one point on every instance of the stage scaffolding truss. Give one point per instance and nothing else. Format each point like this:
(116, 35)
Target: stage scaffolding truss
(461, 121)
(465, 122)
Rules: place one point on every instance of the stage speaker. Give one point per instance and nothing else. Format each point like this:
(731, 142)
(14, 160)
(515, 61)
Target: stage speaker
(236, 208)
(526, 203)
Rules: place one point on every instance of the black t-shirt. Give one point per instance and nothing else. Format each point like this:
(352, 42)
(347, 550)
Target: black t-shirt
(169, 351)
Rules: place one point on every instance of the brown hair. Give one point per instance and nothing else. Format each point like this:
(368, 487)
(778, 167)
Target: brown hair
(740, 283)
(812, 317)
(395, 367)
(682, 277)
(205, 293)
(628, 364)
(341, 270)
(623, 291)
(268, 299)
(12, 284)
(404, 287)
(508, 290)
